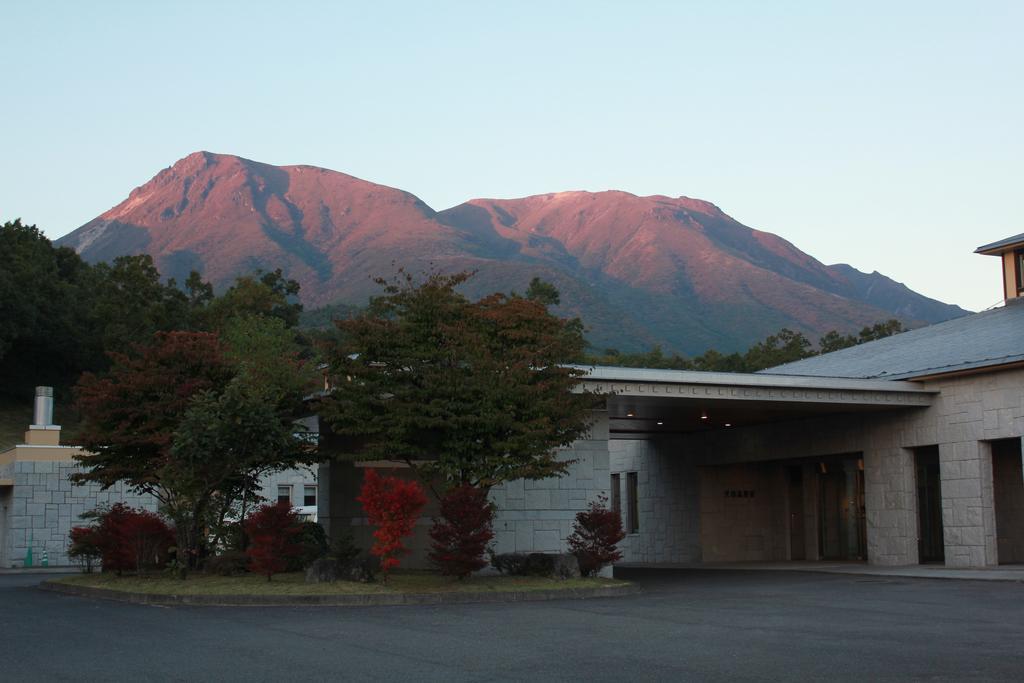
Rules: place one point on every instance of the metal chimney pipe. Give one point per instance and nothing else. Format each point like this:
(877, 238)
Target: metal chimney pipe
(43, 415)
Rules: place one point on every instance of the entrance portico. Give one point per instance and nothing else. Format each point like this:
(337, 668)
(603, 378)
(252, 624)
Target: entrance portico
(690, 459)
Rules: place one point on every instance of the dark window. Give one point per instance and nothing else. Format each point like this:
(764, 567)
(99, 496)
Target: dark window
(284, 494)
(309, 495)
(1018, 259)
(616, 495)
(631, 502)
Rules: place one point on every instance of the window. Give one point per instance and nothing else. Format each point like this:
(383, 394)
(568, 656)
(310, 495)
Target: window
(616, 496)
(633, 523)
(1018, 257)
(309, 495)
(284, 494)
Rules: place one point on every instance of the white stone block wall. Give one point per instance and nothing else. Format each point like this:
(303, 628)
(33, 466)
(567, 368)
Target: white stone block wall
(296, 479)
(968, 513)
(44, 505)
(667, 501)
(537, 516)
(890, 499)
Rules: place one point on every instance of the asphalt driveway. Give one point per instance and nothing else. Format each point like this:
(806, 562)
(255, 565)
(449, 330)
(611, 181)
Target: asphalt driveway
(688, 625)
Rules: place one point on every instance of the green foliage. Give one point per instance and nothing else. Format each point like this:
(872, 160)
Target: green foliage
(227, 563)
(469, 392)
(833, 341)
(314, 542)
(131, 303)
(785, 346)
(268, 295)
(543, 292)
(196, 421)
(343, 549)
(47, 319)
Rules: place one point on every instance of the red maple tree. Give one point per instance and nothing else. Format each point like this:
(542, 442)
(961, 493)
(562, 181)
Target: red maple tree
(129, 539)
(460, 536)
(595, 534)
(392, 505)
(273, 538)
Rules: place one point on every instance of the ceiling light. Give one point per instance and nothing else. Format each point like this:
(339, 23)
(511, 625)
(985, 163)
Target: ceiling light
(629, 414)
(703, 414)
(661, 423)
(728, 424)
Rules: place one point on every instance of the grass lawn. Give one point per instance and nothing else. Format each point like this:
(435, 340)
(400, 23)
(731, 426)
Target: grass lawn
(294, 584)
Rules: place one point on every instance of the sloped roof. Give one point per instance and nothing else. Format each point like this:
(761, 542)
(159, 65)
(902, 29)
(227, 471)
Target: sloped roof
(990, 338)
(996, 247)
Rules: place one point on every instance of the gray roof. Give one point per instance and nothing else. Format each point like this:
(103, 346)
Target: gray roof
(607, 373)
(994, 246)
(985, 339)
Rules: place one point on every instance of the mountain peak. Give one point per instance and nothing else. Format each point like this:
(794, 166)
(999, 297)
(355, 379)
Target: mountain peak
(639, 270)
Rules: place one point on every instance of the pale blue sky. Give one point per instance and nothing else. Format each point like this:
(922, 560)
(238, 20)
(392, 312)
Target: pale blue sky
(886, 135)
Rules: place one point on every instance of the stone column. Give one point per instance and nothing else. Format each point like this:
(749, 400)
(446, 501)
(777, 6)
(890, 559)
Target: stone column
(890, 499)
(968, 510)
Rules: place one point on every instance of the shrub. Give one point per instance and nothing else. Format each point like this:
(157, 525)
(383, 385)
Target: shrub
(228, 563)
(460, 536)
(344, 549)
(513, 564)
(595, 534)
(85, 547)
(392, 505)
(315, 545)
(129, 539)
(273, 532)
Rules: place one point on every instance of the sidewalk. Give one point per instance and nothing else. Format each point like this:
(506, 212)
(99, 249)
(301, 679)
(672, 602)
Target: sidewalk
(921, 571)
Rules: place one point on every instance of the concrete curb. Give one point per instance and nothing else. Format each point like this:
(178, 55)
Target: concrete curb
(359, 600)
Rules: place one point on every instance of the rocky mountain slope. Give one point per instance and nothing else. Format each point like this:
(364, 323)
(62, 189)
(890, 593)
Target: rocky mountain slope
(639, 270)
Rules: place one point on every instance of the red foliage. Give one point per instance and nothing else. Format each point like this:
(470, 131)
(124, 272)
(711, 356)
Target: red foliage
(595, 534)
(461, 535)
(130, 414)
(130, 540)
(392, 505)
(273, 538)
(84, 546)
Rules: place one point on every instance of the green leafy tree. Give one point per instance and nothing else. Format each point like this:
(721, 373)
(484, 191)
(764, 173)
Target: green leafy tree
(47, 329)
(834, 341)
(132, 303)
(469, 392)
(268, 295)
(184, 420)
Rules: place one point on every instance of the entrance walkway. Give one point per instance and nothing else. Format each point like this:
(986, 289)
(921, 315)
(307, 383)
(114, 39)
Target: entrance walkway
(919, 571)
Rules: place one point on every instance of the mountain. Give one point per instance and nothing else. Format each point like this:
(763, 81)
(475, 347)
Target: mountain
(639, 270)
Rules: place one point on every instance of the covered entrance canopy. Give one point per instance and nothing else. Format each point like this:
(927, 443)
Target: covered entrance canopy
(746, 467)
(646, 403)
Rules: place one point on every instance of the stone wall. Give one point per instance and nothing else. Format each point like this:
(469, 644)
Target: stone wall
(743, 513)
(967, 413)
(537, 516)
(667, 501)
(532, 516)
(43, 505)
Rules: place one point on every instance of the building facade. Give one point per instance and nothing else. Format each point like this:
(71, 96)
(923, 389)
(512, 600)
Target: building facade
(39, 505)
(895, 452)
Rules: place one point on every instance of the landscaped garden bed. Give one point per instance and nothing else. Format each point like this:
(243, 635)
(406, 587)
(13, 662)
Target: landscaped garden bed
(294, 583)
(403, 588)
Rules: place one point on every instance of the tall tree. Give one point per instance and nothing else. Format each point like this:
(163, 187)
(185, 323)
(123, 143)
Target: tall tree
(470, 392)
(186, 420)
(46, 326)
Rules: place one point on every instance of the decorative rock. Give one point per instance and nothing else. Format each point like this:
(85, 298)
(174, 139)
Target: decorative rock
(559, 566)
(512, 564)
(324, 570)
